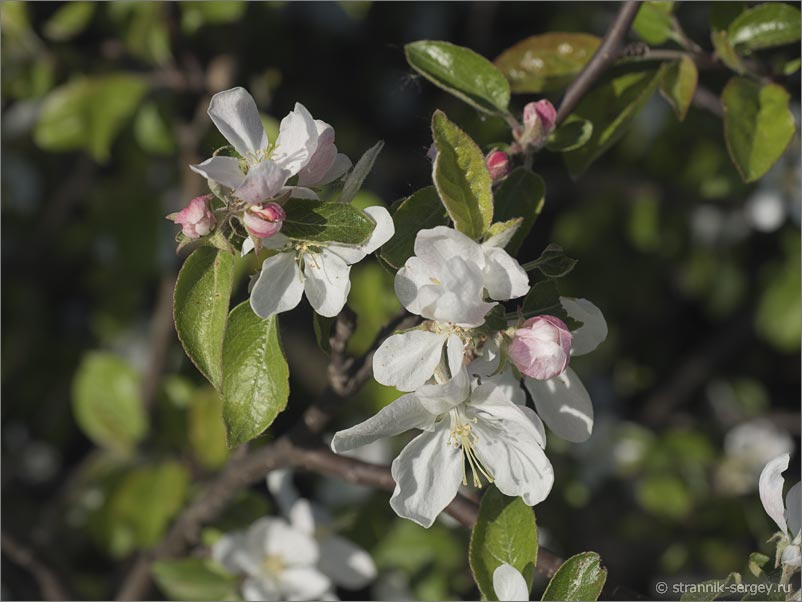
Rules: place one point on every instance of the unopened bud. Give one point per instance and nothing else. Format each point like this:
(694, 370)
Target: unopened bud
(196, 219)
(540, 118)
(498, 164)
(263, 221)
(541, 347)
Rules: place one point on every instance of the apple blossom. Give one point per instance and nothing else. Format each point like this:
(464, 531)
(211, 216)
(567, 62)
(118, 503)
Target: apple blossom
(787, 516)
(509, 584)
(540, 119)
(541, 347)
(747, 448)
(279, 562)
(304, 147)
(264, 221)
(498, 164)
(446, 282)
(466, 427)
(345, 563)
(196, 219)
(319, 269)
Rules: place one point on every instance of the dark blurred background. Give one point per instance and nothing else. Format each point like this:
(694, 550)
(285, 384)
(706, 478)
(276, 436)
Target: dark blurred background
(698, 275)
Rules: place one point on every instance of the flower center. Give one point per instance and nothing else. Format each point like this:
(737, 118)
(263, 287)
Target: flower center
(463, 436)
(273, 564)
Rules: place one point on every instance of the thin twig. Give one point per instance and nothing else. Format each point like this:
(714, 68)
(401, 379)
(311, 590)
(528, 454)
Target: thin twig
(608, 51)
(50, 586)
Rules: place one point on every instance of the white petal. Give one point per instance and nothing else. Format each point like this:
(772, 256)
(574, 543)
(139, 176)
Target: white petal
(260, 589)
(536, 422)
(770, 487)
(303, 583)
(279, 286)
(438, 245)
(341, 165)
(440, 398)
(384, 230)
(235, 114)
(247, 246)
(407, 360)
(264, 181)
(401, 415)
(297, 140)
(296, 509)
(504, 277)
(511, 447)
(326, 284)
(501, 239)
(793, 510)
(594, 327)
(427, 473)
(509, 584)
(487, 363)
(299, 192)
(563, 404)
(295, 548)
(347, 564)
(455, 352)
(224, 170)
(792, 556)
(230, 552)
(277, 241)
(509, 384)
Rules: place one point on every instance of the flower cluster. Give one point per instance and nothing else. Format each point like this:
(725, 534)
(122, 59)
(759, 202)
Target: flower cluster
(786, 514)
(463, 383)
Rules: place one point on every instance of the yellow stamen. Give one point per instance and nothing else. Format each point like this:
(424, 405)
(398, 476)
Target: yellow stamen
(463, 436)
(273, 564)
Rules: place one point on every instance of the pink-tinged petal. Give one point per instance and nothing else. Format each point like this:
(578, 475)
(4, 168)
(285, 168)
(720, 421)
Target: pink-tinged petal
(235, 114)
(223, 170)
(196, 219)
(498, 164)
(297, 140)
(541, 348)
(264, 181)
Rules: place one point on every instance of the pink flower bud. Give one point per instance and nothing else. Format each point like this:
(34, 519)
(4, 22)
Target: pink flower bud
(263, 221)
(498, 164)
(540, 116)
(196, 219)
(541, 347)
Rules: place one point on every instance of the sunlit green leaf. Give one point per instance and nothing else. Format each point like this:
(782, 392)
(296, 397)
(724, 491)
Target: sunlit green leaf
(581, 577)
(653, 22)
(766, 25)
(326, 222)
(679, 85)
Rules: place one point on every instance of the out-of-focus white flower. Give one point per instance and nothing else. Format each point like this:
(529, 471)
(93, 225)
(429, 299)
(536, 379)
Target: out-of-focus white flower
(747, 448)
(509, 584)
(787, 516)
(320, 269)
(279, 562)
(341, 560)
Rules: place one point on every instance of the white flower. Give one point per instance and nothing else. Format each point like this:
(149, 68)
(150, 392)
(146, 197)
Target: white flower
(747, 448)
(446, 282)
(277, 560)
(304, 147)
(319, 269)
(509, 584)
(462, 423)
(788, 515)
(345, 563)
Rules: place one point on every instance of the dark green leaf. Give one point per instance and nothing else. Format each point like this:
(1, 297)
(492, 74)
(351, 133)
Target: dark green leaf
(721, 14)
(543, 299)
(546, 62)
(581, 577)
(611, 107)
(758, 125)
(521, 194)
(461, 178)
(572, 134)
(679, 85)
(360, 171)
(552, 263)
(207, 435)
(194, 579)
(194, 15)
(322, 326)
(461, 72)
(318, 221)
(766, 25)
(88, 113)
(69, 21)
(421, 210)
(653, 22)
(505, 532)
(106, 402)
(255, 375)
(200, 308)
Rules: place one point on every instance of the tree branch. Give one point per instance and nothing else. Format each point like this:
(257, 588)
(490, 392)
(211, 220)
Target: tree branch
(50, 586)
(608, 51)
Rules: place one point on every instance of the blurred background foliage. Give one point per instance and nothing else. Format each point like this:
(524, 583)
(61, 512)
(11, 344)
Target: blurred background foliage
(107, 428)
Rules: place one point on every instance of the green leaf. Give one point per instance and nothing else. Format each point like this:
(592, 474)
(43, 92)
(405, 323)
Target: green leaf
(505, 532)
(758, 125)
(255, 375)
(653, 22)
(207, 435)
(543, 299)
(144, 502)
(546, 62)
(521, 194)
(361, 170)
(194, 15)
(88, 113)
(69, 21)
(200, 308)
(759, 563)
(421, 210)
(611, 107)
(766, 25)
(552, 263)
(572, 134)
(713, 589)
(194, 579)
(581, 577)
(106, 402)
(322, 327)
(501, 233)
(152, 130)
(144, 29)
(461, 72)
(726, 52)
(318, 221)
(461, 178)
(679, 85)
